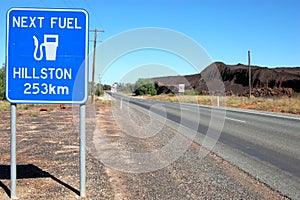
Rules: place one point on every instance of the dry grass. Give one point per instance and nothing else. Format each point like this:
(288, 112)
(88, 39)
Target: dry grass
(283, 104)
(5, 106)
(103, 101)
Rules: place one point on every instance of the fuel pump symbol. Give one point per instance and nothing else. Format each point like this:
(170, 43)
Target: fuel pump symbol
(50, 45)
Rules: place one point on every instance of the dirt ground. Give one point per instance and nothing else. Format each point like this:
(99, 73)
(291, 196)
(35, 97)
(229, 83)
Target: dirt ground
(48, 157)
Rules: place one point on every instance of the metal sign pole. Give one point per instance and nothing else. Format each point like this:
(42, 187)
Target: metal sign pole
(13, 165)
(82, 151)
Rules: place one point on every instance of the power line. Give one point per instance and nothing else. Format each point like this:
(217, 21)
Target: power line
(94, 15)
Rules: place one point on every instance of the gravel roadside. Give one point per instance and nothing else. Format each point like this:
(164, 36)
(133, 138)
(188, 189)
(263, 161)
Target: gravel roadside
(48, 162)
(187, 178)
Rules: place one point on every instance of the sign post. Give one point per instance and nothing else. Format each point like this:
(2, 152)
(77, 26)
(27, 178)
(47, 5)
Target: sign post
(13, 138)
(46, 58)
(82, 151)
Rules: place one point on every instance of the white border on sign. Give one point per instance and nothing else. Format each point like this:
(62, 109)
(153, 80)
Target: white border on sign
(85, 59)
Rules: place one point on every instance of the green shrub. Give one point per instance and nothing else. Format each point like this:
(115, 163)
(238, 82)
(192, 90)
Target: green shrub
(145, 87)
(2, 82)
(191, 92)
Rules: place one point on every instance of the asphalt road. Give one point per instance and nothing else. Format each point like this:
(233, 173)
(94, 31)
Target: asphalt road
(265, 145)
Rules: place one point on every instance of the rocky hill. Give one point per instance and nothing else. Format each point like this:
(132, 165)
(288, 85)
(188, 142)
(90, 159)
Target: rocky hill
(264, 81)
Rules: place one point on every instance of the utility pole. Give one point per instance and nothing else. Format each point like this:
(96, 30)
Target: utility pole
(94, 62)
(100, 86)
(249, 66)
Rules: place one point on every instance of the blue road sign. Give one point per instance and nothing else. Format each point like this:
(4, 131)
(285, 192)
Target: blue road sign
(47, 56)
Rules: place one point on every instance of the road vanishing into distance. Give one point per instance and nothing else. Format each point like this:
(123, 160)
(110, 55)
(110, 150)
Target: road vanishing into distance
(265, 145)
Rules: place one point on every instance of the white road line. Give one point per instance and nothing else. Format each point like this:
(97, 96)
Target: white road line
(237, 120)
(256, 112)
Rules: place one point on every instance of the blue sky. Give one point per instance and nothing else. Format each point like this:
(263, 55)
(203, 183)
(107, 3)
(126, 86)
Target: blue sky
(226, 29)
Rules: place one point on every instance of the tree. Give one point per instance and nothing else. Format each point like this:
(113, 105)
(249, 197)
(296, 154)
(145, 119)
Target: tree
(145, 87)
(106, 87)
(2, 82)
(126, 88)
(98, 89)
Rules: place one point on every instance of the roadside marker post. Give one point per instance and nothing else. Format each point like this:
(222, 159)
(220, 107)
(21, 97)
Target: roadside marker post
(47, 63)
